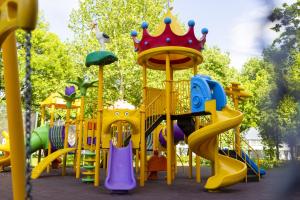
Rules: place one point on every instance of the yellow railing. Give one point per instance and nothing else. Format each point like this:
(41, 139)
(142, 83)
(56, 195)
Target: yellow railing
(245, 147)
(205, 120)
(181, 97)
(89, 133)
(156, 108)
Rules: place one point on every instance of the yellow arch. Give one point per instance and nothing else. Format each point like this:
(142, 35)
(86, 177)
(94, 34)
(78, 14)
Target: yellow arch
(112, 116)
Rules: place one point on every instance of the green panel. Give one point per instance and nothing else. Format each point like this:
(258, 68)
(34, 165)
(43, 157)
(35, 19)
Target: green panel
(89, 153)
(87, 180)
(100, 58)
(39, 138)
(88, 166)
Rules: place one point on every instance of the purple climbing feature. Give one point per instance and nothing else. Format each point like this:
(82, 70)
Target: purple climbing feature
(120, 175)
(178, 136)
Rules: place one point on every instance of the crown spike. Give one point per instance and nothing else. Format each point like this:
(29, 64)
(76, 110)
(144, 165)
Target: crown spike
(144, 25)
(168, 20)
(191, 23)
(168, 35)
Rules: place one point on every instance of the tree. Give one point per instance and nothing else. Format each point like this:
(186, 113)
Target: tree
(51, 63)
(289, 121)
(286, 19)
(257, 78)
(293, 77)
(217, 65)
(122, 80)
(282, 54)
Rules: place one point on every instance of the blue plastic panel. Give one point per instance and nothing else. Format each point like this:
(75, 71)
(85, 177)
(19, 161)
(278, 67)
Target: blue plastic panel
(218, 93)
(203, 88)
(200, 93)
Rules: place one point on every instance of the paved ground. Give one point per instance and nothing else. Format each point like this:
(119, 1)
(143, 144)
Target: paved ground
(280, 183)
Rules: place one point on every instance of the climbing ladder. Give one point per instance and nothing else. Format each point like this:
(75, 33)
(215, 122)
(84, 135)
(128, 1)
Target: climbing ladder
(155, 109)
(89, 167)
(89, 143)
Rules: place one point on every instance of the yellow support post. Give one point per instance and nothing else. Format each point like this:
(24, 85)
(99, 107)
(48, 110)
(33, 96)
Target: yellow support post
(106, 166)
(143, 148)
(237, 134)
(198, 166)
(136, 161)
(143, 119)
(42, 115)
(174, 163)
(99, 125)
(104, 159)
(51, 125)
(79, 145)
(190, 163)
(76, 136)
(120, 134)
(42, 123)
(198, 170)
(170, 142)
(235, 91)
(14, 114)
(66, 141)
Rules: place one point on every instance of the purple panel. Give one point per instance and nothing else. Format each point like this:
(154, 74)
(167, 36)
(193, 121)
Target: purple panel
(162, 140)
(178, 136)
(89, 140)
(63, 133)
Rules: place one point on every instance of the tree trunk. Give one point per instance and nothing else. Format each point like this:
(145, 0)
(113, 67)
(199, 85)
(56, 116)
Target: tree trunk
(292, 152)
(277, 150)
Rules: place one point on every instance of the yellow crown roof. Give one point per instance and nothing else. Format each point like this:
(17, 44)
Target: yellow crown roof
(175, 25)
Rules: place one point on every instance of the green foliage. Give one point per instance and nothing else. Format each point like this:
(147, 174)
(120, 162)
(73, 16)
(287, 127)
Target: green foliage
(69, 99)
(216, 65)
(121, 79)
(293, 77)
(257, 78)
(286, 19)
(274, 83)
(51, 63)
(83, 84)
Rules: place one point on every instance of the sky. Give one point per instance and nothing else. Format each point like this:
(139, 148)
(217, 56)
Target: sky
(237, 27)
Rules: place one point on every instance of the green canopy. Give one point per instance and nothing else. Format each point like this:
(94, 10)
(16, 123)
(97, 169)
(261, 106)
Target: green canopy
(100, 58)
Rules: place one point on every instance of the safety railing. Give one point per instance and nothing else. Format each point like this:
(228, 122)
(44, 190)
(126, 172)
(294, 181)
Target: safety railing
(181, 97)
(247, 148)
(204, 120)
(89, 134)
(244, 148)
(156, 108)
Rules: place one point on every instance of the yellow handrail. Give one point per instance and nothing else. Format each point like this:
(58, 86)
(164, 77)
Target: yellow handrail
(154, 110)
(243, 157)
(181, 97)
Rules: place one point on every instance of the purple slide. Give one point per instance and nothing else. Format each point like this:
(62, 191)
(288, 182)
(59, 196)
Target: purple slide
(120, 174)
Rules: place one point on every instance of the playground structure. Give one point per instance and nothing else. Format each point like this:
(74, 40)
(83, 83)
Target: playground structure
(199, 107)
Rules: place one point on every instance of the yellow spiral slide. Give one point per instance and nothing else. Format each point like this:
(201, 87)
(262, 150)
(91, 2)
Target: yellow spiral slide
(203, 142)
